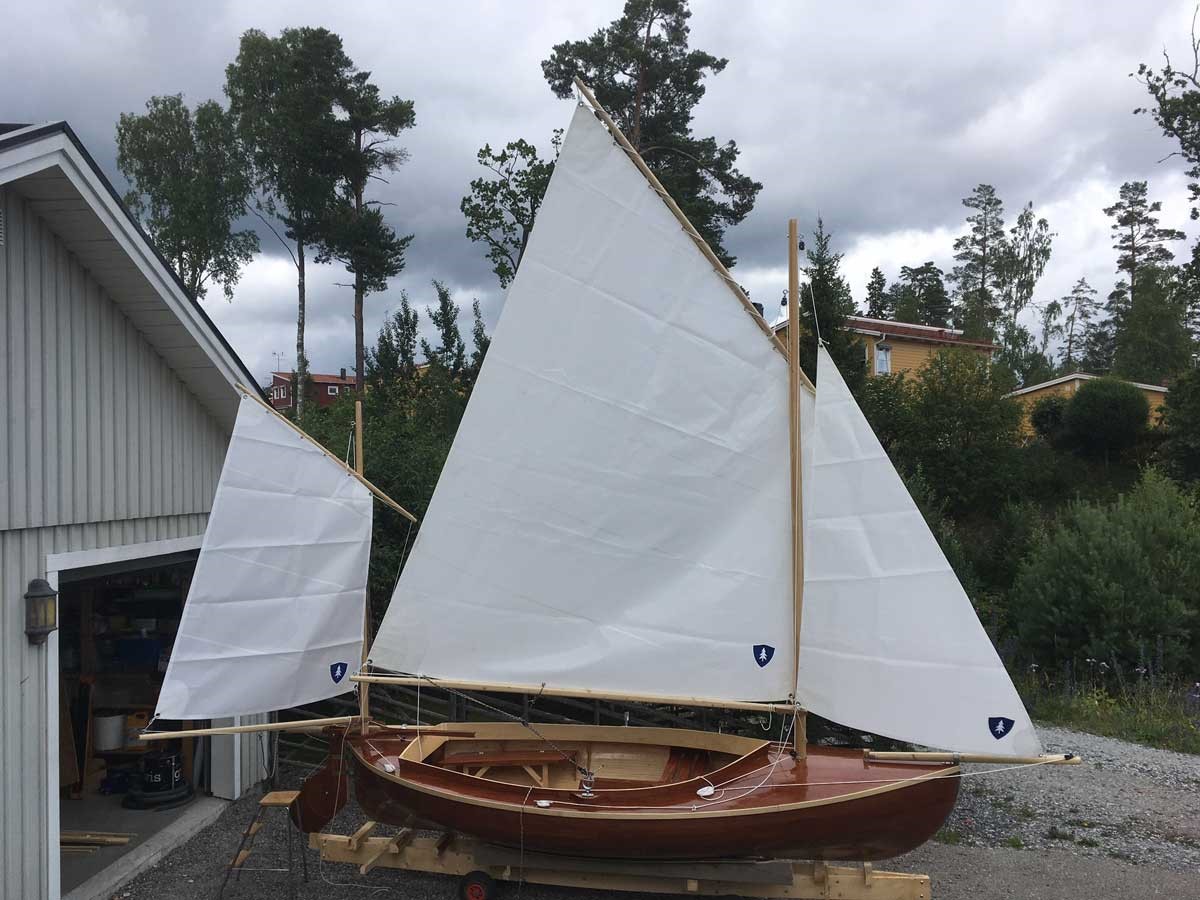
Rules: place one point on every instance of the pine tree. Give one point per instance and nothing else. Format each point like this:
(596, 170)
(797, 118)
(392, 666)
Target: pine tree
(979, 253)
(923, 299)
(878, 305)
(648, 78)
(1137, 238)
(1080, 307)
(829, 295)
(1152, 340)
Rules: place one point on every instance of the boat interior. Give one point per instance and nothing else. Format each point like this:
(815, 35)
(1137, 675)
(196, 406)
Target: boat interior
(619, 757)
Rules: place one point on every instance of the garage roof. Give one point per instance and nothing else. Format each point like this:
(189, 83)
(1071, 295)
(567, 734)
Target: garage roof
(49, 166)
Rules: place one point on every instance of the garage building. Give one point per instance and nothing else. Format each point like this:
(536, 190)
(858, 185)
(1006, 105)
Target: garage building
(119, 398)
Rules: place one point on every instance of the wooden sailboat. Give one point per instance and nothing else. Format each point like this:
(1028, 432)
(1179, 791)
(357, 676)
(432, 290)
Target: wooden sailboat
(644, 496)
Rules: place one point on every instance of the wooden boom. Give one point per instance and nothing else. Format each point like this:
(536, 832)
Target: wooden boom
(580, 693)
(1055, 759)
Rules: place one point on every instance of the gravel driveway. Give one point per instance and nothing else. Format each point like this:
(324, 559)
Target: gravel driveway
(1124, 825)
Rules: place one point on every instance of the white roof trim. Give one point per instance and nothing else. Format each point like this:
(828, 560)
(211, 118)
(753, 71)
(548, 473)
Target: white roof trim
(1081, 376)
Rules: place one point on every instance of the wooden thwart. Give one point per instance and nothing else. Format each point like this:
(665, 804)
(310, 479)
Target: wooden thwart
(448, 854)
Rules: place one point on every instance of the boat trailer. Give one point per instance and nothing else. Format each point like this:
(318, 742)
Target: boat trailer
(479, 866)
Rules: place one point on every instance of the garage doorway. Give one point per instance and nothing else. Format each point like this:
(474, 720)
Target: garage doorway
(117, 622)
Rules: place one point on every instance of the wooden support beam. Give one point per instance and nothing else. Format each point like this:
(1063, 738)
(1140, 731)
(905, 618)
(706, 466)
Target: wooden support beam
(442, 854)
(392, 845)
(361, 835)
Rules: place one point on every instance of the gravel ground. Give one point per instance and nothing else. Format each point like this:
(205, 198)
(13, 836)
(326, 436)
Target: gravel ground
(1124, 825)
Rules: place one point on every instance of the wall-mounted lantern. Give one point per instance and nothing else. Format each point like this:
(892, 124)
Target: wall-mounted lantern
(41, 610)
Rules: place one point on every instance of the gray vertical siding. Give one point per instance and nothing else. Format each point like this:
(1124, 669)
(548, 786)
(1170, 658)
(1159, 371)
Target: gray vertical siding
(95, 426)
(100, 445)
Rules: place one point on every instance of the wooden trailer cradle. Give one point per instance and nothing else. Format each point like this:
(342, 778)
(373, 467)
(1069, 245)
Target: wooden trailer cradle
(479, 865)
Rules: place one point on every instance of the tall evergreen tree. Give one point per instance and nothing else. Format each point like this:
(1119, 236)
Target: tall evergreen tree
(825, 303)
(190, 178)
(924, 300)
(1152, 343)
(284, 93)
(1080, 307)
(979, 253)
(878, 306)
(643, 72)
(1137, 237)
(357, 234)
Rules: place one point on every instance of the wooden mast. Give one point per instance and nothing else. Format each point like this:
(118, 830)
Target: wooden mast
(364, 702)
(795, 373)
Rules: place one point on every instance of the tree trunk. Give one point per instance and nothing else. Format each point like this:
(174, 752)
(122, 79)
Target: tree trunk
(301, 360)
(640, 91)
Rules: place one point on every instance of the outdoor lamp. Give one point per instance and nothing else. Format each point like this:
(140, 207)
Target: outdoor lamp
(41, 610)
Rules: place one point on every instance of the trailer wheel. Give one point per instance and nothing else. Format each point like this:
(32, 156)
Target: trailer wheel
(477, 886)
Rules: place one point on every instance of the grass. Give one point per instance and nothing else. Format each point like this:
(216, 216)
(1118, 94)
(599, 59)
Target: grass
(1159, 713)
(1015, 842)
(949, 836)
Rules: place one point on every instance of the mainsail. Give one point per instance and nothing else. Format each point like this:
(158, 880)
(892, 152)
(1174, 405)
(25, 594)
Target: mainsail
(274, 615)
(891, 643)
(614, 514)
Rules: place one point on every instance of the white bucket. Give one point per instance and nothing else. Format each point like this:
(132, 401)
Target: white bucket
(108, 732)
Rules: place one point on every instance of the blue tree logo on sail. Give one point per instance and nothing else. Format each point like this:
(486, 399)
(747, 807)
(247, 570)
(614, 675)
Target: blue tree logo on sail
(337, 671)
(763, 654)
(1000, 726)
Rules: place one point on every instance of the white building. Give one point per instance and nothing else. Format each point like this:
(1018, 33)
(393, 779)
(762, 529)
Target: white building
(118, 401)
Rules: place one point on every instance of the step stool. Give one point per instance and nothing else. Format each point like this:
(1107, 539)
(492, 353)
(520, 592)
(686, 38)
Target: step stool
(274, 800)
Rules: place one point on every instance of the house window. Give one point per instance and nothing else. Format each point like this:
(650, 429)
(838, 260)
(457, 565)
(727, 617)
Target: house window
(883, 359)
(333, 390)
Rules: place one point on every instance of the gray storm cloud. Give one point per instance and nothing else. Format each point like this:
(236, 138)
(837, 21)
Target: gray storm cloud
(880, 118)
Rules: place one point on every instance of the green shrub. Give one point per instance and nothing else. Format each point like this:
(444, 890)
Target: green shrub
(1048, 418)
(1180, 450)
(1106, 416)
(1107, 581)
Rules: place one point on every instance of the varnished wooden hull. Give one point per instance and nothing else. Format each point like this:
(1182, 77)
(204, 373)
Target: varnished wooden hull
(831, 805)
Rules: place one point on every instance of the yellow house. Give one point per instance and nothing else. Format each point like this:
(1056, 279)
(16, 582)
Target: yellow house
(892, 347)
(1067, 385)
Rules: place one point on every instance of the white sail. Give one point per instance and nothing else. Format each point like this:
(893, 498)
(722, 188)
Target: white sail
(890, 642)
(274, 615)
(614, 514)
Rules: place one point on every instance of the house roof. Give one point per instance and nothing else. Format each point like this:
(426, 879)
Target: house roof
(318, 378)
(884, 328)
(53, 171)
(1080, 376)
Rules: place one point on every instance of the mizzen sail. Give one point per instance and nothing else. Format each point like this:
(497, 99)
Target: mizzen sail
(891, 643)
(614, 514)
(274, 615)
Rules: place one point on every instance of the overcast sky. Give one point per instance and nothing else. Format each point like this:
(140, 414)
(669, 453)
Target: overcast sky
(880, 118)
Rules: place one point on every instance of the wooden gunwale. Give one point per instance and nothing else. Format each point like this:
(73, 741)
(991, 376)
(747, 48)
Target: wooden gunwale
(629, 813)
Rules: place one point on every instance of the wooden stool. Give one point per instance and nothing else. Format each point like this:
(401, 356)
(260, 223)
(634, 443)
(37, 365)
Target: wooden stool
(274, 800)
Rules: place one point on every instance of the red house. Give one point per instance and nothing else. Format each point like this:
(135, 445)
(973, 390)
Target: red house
(322, 389)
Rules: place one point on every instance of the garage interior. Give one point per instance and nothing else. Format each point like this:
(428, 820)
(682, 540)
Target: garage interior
(117, 626)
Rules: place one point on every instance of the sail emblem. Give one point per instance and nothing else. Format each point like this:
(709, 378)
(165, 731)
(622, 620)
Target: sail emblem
(337, 671)
(763, 654)
(1000, 726)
